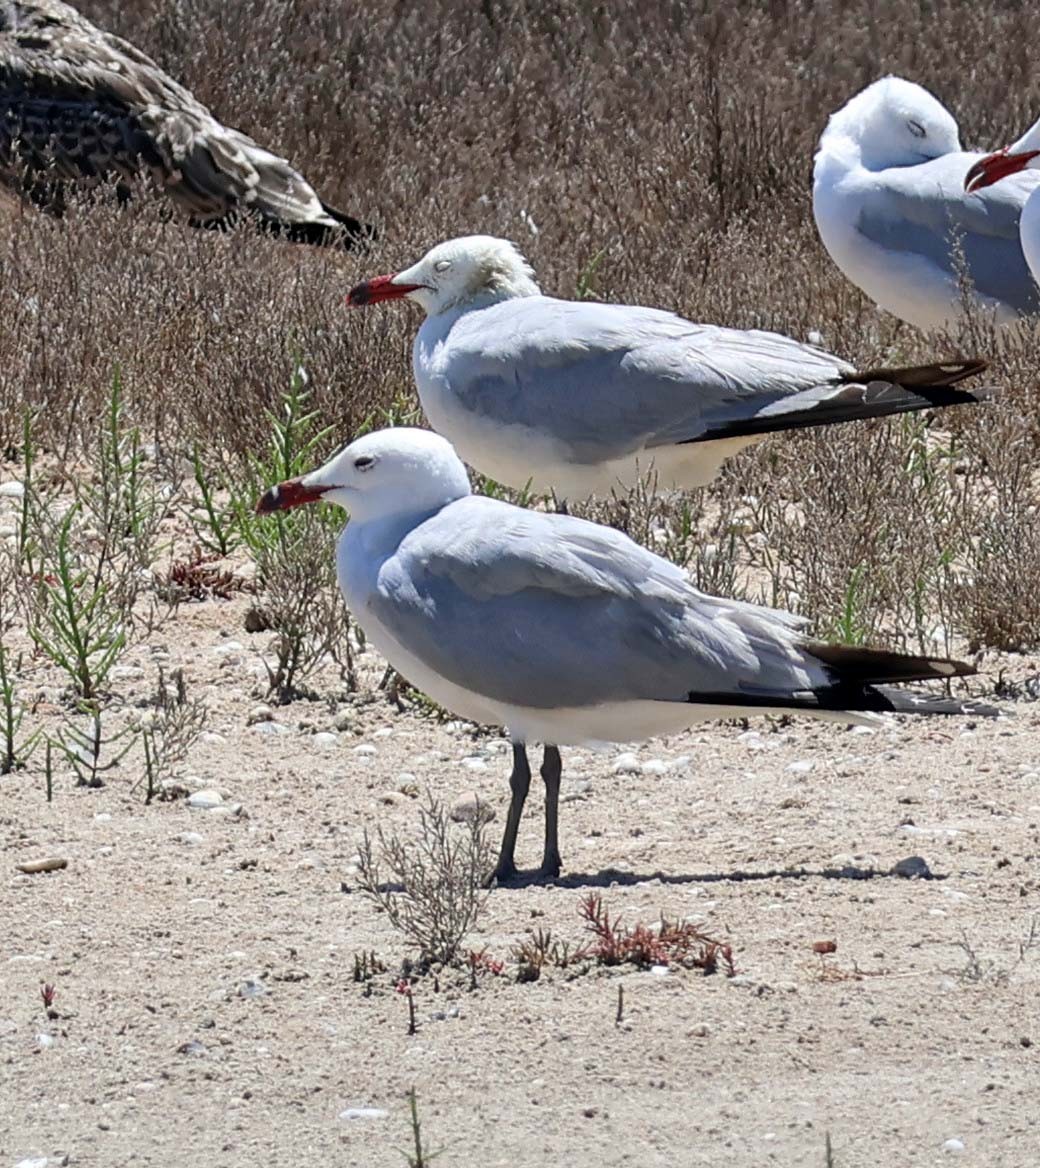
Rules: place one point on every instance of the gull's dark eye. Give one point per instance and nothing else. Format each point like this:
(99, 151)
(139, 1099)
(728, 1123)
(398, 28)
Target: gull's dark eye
(364, 462)
(916, 129)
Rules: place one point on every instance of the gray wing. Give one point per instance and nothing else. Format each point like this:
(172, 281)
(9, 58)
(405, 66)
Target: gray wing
(921, 210)
(551, 611)
(77, 104)
(608, 380)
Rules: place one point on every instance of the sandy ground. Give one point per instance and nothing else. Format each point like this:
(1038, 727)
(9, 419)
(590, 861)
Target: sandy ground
(203, 960)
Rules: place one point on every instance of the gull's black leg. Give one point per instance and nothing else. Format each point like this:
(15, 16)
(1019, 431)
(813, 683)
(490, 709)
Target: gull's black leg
(519, 782)
(552, 768)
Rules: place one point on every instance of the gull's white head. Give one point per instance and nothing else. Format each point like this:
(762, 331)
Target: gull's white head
(400, 471)
(472, 270)
(891, 123)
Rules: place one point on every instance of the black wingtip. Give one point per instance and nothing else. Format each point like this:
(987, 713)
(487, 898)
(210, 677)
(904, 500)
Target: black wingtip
(938, 375)
(854, 664)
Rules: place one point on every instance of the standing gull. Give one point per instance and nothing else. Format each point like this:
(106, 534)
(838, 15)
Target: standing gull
(564, 631)
(1019, 160)
(78, 105)
(580, 397)
(891, 209)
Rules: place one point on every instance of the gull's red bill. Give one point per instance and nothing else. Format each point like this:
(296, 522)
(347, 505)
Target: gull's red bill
(377, 289)
(996, 166)
(291, 493)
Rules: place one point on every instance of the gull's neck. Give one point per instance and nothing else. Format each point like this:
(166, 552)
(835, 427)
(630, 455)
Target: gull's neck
(513, 286)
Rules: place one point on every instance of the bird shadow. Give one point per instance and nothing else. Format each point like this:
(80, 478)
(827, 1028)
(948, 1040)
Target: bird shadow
(608, 877)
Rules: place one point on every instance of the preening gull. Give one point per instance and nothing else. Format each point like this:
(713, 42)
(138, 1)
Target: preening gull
(1020, 159)
(565, 631)
(78, 105)
(579, 397)
(891, 209)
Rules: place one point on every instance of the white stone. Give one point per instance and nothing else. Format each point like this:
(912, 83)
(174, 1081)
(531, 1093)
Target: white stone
(44, 1040)
(954, 1147)
(252, 987)
(382, 732)
(325, 738)
(366, 750)
(654, 766)
(471, 807)
(271, 728)
(802, 767)
(659, 970)
(205, 800)
(32, 1161)
(102, 817)
(192, 838)
(474, 764)
(227, 647)
(363, 1113)
(12, 489)
(626, 764)
(212, 737)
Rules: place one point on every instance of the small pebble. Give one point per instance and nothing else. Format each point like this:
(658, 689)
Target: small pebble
(471, 807)
(363, 1113)
(274, 728)
(324, 738)
(205, 800)
(12, 489)
(192, 838)
(659, 970)
(212, 737)
(44, 1040)
(954, 1147)
(699, 1030)
(472, 763)
(227, 647)
(626, 764)
(345, 720)
(47, 864)
(802, 767)
(259, 714)
(32, 1161)
(654, 766)
(252, 987)
(382, 732)
(365, 750)
(912, 867)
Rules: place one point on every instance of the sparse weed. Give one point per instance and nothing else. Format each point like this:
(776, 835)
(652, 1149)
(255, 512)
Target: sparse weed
(168, 729)
(440, 880)
(295, 552)
(90, 747)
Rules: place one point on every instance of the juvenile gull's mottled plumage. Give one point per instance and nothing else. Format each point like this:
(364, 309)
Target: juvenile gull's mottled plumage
(562, 630)
(891, 209)
(580, 397)
(78, 105)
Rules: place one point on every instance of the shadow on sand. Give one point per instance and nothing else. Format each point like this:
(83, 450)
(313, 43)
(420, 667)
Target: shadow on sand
(615, 876)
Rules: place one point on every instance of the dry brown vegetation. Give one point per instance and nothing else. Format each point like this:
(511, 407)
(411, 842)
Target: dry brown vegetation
(663, 154)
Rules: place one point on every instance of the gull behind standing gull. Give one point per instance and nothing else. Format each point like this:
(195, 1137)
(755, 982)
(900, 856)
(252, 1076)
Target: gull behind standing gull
(1005, 167)
(564, 631)
(78, 105)
(580, 397)
(891, 209)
